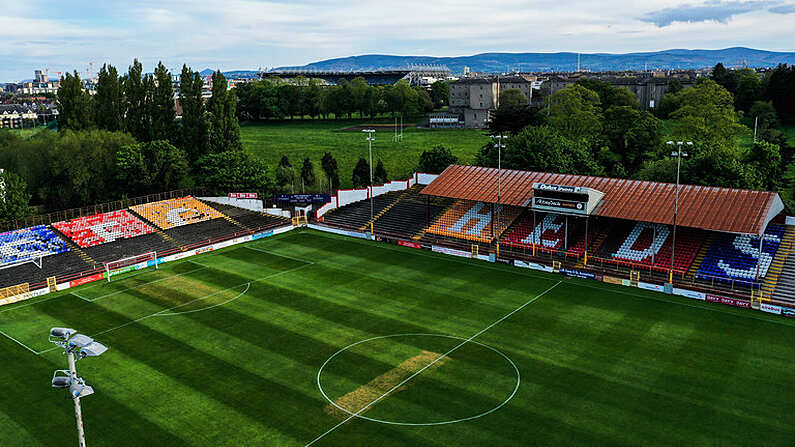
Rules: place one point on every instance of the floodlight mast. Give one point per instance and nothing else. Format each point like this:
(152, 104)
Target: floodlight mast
(370, 138)
(76, 347)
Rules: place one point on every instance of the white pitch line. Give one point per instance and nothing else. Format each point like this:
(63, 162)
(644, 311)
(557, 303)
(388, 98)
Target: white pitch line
(277, 254)
(19, 343)
(145, 284)
(79, 296)
(433, 362)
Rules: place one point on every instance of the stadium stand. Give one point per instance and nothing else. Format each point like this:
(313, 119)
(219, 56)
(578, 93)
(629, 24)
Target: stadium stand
(411, 214)
(171, 213)
(103, 228)
(733, 258)
(639, 244)
(22, 245)
(357, 215)
(248, 219)
(473, 221)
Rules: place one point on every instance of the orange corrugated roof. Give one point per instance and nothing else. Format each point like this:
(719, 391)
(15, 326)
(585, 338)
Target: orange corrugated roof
(706, 207)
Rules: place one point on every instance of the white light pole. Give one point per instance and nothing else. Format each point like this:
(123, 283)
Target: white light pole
(370, 138)
(498, 143)
(76, 347)
(678, 154)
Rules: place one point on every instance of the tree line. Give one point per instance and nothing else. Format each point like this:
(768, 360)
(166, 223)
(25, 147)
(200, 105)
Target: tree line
(593, 128)
(274, 98)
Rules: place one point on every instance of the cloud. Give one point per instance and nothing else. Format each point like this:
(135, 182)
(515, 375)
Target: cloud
(783, 9)
(711, 11)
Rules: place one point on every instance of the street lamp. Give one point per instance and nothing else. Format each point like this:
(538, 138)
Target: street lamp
(370, 138)
(678, 154)
(500, 145)
(76, 347)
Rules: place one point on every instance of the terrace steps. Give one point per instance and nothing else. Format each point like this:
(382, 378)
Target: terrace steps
(702, 252)
(385, 209)
(235, 222)
(422, 232)
(75, 248)
(779, 262)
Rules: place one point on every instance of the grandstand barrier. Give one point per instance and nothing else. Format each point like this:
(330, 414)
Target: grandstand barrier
(347, 196)
(248, 204)
(356, 234)
(14, 293)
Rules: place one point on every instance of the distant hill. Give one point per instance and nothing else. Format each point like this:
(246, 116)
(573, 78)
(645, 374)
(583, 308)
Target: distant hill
(236, 74)
(503, 62)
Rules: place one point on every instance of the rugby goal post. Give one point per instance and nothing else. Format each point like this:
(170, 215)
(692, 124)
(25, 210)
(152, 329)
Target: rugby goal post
(125, 265)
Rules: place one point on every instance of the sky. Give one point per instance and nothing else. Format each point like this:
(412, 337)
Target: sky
(249, 34)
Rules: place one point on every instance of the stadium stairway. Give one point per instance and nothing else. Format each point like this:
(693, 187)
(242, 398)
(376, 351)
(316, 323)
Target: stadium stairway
(385, 209)
(75, 248)
(780, 261)
(702, 252)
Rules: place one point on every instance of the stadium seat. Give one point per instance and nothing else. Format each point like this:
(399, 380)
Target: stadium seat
(473, 221)
(29, 243)
(103, 228)
(734, 258)
(640, 245)
(171, 213)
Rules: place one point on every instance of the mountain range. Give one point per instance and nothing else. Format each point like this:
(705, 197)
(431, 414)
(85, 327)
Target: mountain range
(506, 62)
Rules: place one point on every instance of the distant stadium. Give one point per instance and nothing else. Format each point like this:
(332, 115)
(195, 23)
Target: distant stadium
(574, 310)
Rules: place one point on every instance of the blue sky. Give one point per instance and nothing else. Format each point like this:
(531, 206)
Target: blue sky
(247, 34)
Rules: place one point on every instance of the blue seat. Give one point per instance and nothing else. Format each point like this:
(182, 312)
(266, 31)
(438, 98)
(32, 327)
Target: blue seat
(734, 258)
(29, 243)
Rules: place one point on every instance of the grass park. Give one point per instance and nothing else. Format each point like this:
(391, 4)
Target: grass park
(308, 338)
(307, 138)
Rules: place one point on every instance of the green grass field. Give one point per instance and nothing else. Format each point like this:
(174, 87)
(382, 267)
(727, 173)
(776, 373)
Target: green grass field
(225, 349)
(312, 139)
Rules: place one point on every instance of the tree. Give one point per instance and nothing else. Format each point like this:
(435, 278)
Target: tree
(81, 168)
(436, 160)
(542, 149)
(225, 129)
(380, 176)
(224, 172)
(361, 174)
(136, 98)
(74, 104)
(575, 112)
(440, 93)
(163, 111)
(146, 168)
(108, 100)
(195, 128)
(634, 137)
(14, 197)
(780, 89)
(424, 103)
(285, 175)
(308, 175)
(765, 163)
(749, 89)
(610, 96)
(675, 86)
(706, 114)
(329, 165)
(724, 77)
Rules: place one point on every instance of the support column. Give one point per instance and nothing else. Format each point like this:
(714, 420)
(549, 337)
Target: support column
(427, 211)
(492, 221)
(759, 258)
(566, 235)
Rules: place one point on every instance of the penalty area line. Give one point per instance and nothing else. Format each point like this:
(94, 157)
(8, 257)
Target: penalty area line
(455, 348)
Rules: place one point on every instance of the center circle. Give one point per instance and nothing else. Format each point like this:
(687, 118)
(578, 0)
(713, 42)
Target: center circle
(426, 365)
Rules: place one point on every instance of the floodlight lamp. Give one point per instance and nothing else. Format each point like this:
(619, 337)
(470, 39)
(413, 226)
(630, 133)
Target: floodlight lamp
(61, 382)
(61, 333)
(80, 389)
(93, 349)
(80, 341)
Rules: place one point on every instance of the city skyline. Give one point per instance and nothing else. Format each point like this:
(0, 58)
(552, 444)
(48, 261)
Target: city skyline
(247, 34)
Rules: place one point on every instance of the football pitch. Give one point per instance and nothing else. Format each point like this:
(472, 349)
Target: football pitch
(310, 338)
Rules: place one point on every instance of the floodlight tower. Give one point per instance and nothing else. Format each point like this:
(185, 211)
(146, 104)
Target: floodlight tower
(678, 154)
(76, 347)
(370, 138)
(500, 145)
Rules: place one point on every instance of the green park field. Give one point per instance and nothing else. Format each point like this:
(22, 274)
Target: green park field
(309, 338)
(312, 139)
